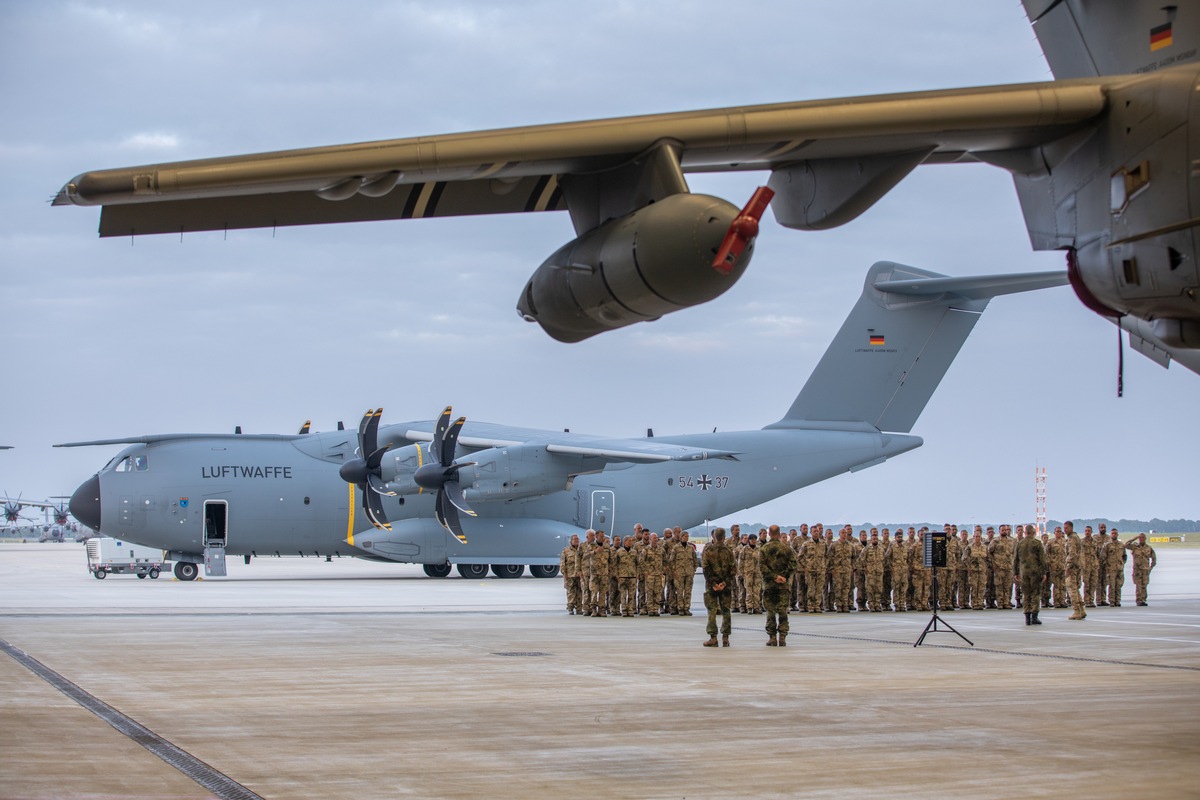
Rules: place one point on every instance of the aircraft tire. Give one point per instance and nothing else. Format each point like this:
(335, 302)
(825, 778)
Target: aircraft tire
(508, 570)
(186, 570)
(437, 570)
(543, 570)
(154, 574)
(99, 574)
(474, 571)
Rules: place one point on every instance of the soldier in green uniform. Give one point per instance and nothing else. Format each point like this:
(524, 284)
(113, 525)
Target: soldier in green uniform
(586, 548)
(1144, 560)
(1090, 567)
(977, 570)
(777, 564)
(812, 562)
(683, 570)
(1103, 583)
(751, 575)
(1030, 565)
(719, 567)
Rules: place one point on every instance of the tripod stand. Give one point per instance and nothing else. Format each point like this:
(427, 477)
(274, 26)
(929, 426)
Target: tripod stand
(933, 622)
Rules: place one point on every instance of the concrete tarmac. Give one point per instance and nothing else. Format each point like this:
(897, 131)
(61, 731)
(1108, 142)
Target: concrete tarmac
(300, 679)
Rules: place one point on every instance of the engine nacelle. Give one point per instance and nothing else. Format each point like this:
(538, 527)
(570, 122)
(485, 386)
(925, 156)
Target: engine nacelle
(634, 269)
(400, 465)
(510, 473)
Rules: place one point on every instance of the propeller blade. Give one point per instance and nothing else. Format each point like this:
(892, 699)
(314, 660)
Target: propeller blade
(447, 515)
(373, 504)
(370, 441)
(454, 494)
(450, 441)
(378, 486)
(439, 434)
(376, 457)
(362, 430)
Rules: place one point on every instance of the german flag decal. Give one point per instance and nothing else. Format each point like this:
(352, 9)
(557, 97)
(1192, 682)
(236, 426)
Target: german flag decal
(1160, 37)
(876, 340)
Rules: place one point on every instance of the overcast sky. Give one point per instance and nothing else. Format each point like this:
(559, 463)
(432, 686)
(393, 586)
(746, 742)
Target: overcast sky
(104, 338)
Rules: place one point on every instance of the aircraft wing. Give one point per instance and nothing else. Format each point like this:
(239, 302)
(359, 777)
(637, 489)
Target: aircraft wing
(614, 450)
(878, 138)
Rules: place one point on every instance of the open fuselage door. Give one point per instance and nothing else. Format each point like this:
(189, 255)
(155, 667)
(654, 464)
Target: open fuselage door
(216, 531)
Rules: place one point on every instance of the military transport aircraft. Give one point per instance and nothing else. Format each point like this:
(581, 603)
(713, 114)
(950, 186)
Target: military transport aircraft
(1104, 162)
(13, 508)
(512, 496)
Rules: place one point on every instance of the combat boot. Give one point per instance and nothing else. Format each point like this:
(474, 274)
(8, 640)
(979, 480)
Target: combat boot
(712, 641)
(772, 642)
(1036, 621)
(1077, 615)
(1028, 618)
(724, 641)
(783, 640)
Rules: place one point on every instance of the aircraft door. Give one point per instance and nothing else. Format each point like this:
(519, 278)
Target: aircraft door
(604, 503)
(216, 531)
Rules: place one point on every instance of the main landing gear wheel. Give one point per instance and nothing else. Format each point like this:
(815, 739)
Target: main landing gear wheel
(186, 570)
(437, 570)
(508, 570)
(472, 570)
(543, 570)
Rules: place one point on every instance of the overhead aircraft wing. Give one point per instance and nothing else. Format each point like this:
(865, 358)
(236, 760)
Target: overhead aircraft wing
(613, 450)
(859, 146)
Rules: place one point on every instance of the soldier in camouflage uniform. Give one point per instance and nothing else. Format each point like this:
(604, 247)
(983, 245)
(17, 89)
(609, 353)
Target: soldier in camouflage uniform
(860, 577)
(1074, 570)
(977, 570)
(719, 568)
(777, 563)
(1114, 556)
(1144, 560)
(948, 577)
(568, 565)
(870, 564)
(625, 567)
(885, 541)
(796, 541)
(841, 558)
(813, 561)
(920, 575)
(963, 577)
(737, 544)
(652, 567)
(601, 567)
(897, 559)
(683, 572)
(1101, 566)
(586, 548)
(1030, 565)
(1001, 554)
(751, 576)
(1056, 554)
(1091, 567)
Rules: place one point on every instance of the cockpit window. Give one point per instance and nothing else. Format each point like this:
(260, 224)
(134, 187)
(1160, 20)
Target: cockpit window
(132, 464)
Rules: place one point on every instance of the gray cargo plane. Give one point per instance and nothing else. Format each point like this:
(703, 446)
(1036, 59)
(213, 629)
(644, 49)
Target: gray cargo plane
(1103, 159)
(512, 497)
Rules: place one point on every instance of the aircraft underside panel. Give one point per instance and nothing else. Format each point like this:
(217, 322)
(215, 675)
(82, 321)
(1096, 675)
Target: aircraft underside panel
(489, 541)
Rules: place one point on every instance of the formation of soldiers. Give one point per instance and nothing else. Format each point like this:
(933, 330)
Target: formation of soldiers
(875, 571)
(641, 574)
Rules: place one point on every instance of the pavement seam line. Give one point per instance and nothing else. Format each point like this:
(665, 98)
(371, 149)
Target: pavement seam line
(215, 781)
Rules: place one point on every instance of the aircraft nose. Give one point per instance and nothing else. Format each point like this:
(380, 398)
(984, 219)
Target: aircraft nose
(85, 503)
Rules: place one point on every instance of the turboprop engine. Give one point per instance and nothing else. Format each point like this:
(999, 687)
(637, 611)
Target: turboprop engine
(680, 251)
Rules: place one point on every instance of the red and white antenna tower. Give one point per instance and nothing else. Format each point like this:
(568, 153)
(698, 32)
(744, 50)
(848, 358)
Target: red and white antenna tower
(1039, 476)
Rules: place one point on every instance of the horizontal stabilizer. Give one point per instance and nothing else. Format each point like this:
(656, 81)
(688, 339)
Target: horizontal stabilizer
(896, 345)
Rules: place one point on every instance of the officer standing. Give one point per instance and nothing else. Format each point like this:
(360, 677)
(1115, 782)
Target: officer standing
(1144, 560)
(777, 564)
(1074, 569)
(1114, 567)
(1030, 565)
(719, 567)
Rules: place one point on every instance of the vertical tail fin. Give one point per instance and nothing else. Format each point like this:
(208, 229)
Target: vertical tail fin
(892, 351)
(1087, 39)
